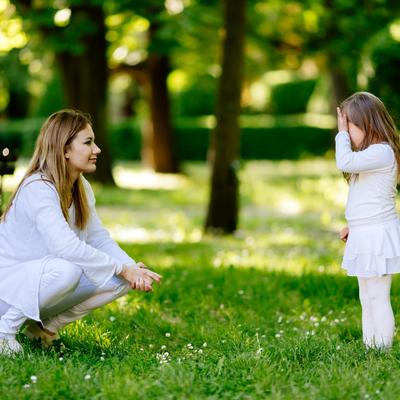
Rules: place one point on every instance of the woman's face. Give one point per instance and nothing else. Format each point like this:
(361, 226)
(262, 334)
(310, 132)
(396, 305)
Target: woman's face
(81, 154)
(356, 135)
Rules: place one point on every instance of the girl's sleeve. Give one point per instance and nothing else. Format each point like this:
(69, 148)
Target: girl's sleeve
(375, 157)
(98, 237)
(42, 205)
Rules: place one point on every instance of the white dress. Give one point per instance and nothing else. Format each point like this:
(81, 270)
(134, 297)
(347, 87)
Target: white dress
(373, 245)
(35, 231)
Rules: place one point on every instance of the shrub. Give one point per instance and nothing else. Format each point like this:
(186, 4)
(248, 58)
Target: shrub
(291, 97)
(261, 138)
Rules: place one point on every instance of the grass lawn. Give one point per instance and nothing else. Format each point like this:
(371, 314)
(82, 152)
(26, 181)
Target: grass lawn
(265, 314)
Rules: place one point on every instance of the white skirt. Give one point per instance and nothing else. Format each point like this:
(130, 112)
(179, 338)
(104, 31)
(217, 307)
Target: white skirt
(373, 249)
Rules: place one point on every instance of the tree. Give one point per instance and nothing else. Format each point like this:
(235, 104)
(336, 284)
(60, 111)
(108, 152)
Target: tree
(85, 77)
(80, 48)
(158, 144)
(224, 205)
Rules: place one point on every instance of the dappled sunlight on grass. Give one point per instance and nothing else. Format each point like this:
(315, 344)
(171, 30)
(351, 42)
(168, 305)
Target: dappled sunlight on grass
(291, 213)
(147, 179)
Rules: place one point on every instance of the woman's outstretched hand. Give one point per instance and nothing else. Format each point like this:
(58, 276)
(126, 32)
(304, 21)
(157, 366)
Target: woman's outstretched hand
(342, 122)
(140, 277)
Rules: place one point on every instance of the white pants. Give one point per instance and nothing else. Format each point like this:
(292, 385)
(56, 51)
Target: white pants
(65, 295)
(377, 313)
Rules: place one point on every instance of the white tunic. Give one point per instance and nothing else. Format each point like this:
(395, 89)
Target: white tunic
(36, 231)
(373, 245)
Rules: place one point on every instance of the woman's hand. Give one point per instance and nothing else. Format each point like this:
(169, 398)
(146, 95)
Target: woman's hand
(342, 122)
(344, 234)
(140, 277)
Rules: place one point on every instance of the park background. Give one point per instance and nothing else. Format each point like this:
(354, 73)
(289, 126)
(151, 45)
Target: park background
(216, 122)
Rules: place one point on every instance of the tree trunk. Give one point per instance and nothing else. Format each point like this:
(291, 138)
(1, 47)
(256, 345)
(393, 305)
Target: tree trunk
(85, 77)
(158, 145)
(223, 206)
(338, 81)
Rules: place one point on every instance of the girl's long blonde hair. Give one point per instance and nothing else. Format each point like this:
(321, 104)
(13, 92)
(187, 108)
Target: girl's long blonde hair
(58, 131)
(368, 113)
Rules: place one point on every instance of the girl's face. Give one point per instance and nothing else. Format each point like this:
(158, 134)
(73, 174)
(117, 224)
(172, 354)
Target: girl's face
(356, 135)
(81, 154)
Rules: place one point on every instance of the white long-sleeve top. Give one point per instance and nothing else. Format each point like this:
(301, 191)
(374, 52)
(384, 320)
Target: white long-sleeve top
(35, 230)
(372, 189)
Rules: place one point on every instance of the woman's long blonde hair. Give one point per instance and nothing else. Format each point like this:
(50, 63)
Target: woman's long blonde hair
(368, 113)
(58, 131)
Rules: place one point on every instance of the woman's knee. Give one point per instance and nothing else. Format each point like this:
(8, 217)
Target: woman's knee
(65, 275)
(116, 287)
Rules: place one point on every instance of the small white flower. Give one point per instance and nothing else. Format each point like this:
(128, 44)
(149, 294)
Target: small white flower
(260, 350)
(101, 358)
(151, 345)
(163, 347)
(205, 344)
(263, 336)
(26, 386)
(200, 351)
(277, 335)
(337, 347)
(141, 349)
(87, 377)
(112, 318)
(34, 379)
(221, 306)
(102, 353)
(168, 334)
(60, 359)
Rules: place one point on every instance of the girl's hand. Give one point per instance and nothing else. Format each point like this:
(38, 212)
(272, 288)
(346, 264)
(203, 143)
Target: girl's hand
(344, 234)
(140, 278)
(342, 122)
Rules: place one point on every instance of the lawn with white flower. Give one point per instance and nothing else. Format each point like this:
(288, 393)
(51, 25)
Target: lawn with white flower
(266, 313)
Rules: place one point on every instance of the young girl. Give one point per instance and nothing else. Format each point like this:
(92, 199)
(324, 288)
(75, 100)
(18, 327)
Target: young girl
(57, 262)
(368, 152)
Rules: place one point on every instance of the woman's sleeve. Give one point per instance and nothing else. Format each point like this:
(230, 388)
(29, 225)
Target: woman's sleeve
(99, 237)
(42, 205)
(373, 158)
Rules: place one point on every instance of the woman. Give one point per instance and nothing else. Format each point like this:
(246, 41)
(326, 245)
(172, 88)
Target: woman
(57, 262)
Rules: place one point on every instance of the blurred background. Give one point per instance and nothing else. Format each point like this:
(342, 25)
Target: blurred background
(148, 71)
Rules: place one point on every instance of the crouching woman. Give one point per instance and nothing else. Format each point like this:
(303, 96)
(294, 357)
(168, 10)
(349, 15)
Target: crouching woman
(57, 262)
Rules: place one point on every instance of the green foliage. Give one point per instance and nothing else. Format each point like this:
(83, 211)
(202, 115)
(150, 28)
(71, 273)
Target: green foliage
(264, 314)
(384, 54)
(52, 99)
(198, 98)
(125, 140)
(291, 97)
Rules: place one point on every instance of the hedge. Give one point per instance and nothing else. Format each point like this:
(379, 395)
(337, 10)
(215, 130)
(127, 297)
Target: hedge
(261, 137)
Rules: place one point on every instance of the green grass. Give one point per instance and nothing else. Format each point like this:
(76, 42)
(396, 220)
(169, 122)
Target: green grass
(266, 313)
